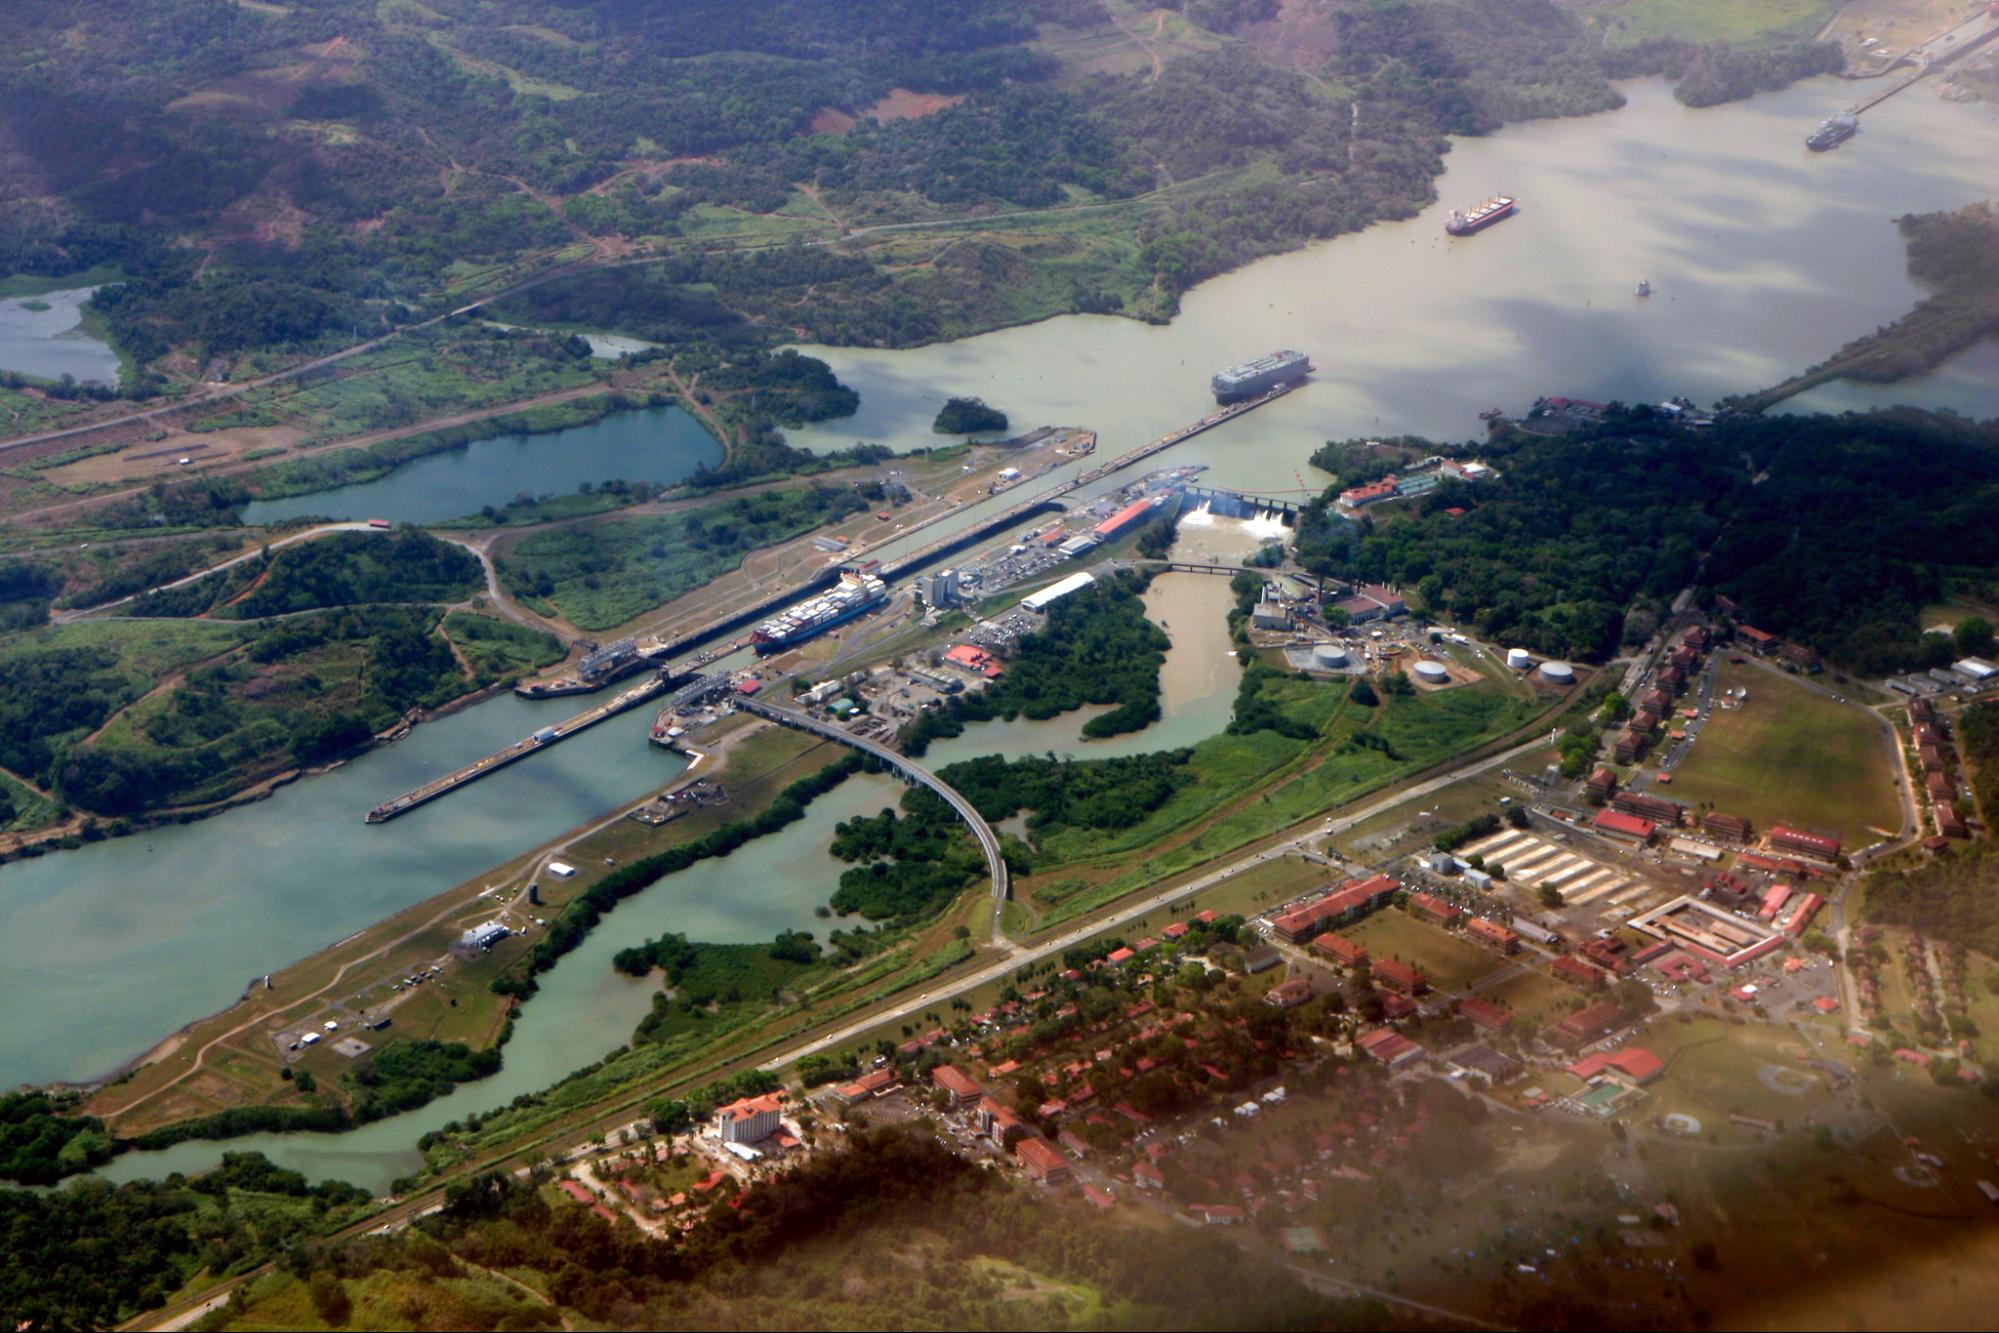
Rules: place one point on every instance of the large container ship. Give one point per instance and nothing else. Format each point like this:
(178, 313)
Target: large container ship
(855, 593)
(1834, 132)
(1253, 377)
(1467, 222)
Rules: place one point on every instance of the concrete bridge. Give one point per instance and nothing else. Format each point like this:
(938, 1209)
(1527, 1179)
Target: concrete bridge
(912, 772)
(1241, 504)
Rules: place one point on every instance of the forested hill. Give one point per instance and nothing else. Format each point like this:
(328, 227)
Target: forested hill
(1835, 531)
(284, 177)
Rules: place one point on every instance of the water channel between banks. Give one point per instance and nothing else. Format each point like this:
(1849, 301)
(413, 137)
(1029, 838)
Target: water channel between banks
(1763, 260)
(585, 1009)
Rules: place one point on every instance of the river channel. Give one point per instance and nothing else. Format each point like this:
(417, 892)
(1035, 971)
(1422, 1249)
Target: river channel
(1763, 258)
(662, 445)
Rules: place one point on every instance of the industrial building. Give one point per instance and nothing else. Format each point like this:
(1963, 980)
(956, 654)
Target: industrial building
(1055, 592)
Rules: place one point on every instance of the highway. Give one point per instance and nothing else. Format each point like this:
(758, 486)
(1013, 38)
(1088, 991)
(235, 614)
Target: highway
(989, 842)
(1069, 939)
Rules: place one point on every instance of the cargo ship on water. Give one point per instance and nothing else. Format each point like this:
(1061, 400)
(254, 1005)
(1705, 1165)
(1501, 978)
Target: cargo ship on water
(1834, 132)
(1468, 223)
(1253, 377)
(858, 591)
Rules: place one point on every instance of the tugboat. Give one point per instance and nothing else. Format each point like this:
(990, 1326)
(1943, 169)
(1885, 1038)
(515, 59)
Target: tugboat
(1644, 286)
(1834, 132)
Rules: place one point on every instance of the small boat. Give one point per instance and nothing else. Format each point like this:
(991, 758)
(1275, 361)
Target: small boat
(1644, 287)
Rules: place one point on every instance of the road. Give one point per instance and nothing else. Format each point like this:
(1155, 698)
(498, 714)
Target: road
(989, 842)
(65, 617)
(1054, 947)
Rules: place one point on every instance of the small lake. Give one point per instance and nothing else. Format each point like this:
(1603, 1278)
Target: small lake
(49, 342)
(657, 444)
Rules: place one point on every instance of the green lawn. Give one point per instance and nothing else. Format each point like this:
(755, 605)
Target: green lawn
(1738, 22)
(1449, 962)
(1792, 756)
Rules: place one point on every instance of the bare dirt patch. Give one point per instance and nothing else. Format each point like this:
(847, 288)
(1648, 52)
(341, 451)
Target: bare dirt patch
(903, 104)
(831, 120)
(1303, 36)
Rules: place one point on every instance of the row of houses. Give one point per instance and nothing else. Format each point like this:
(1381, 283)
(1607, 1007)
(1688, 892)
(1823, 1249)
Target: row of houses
(1937, 757)
(1655, 706)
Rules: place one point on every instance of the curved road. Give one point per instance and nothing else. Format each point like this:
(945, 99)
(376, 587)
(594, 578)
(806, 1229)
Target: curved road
(989, 842)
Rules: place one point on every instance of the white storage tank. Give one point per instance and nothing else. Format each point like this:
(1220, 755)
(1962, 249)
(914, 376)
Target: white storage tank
(1558, 673)
(1519, 659)
(1329, 656)
(1431, 673)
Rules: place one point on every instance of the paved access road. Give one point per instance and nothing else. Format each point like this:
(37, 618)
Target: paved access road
(1026, 956)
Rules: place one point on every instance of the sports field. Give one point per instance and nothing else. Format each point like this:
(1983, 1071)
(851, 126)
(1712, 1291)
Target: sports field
(1790, 755)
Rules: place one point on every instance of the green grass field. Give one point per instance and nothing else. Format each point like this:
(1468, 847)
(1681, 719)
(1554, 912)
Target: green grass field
(1449, 962)
(1739, 22)
(1792, 756)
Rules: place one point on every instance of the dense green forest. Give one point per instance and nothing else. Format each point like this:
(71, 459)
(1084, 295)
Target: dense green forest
(1948, 898)
(40, 1143)
(347, 167)
(92, 1255)
(1577, 547)
(1097, 648)
(968, 416)
(339, 569)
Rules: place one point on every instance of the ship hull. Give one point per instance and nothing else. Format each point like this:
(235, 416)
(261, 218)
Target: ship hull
(1229, 388)
(1471, 227)
(768, 644)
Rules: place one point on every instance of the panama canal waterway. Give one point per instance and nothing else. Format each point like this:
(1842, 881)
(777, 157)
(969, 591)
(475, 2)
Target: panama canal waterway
(1763, 260)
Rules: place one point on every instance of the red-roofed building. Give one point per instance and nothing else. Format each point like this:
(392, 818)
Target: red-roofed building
(1350, 902)
(1340, 949)
(1731, 828)
(1761, 641)
(1586, 976)
(1623, 827)
(1487, 1015)
(871, 1084)
(1118, 957)
(975, 660)
(1114, 526)
(1588, 1025)
(1042, 1159)
(1807, 844)
(1175, 931)
(1493, 936)
(962, 1088)
(748, 685)
(1000, 1123)
(576, 1191)
(1433, 909)
(749, 1119)
(1289, 994)
(1602, 784)
(1390, 1047)
(1395, 975)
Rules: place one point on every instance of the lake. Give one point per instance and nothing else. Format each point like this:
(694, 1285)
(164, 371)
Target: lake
(659, 444)
(48, 342)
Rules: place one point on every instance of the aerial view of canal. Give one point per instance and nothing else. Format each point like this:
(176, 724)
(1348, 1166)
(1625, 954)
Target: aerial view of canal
(1761, 258)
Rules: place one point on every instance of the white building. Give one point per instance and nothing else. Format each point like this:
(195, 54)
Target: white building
(750, 1119)
(1055, 592)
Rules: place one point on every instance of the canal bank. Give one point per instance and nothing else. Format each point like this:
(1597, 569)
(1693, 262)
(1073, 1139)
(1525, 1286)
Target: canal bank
(584, 1008)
